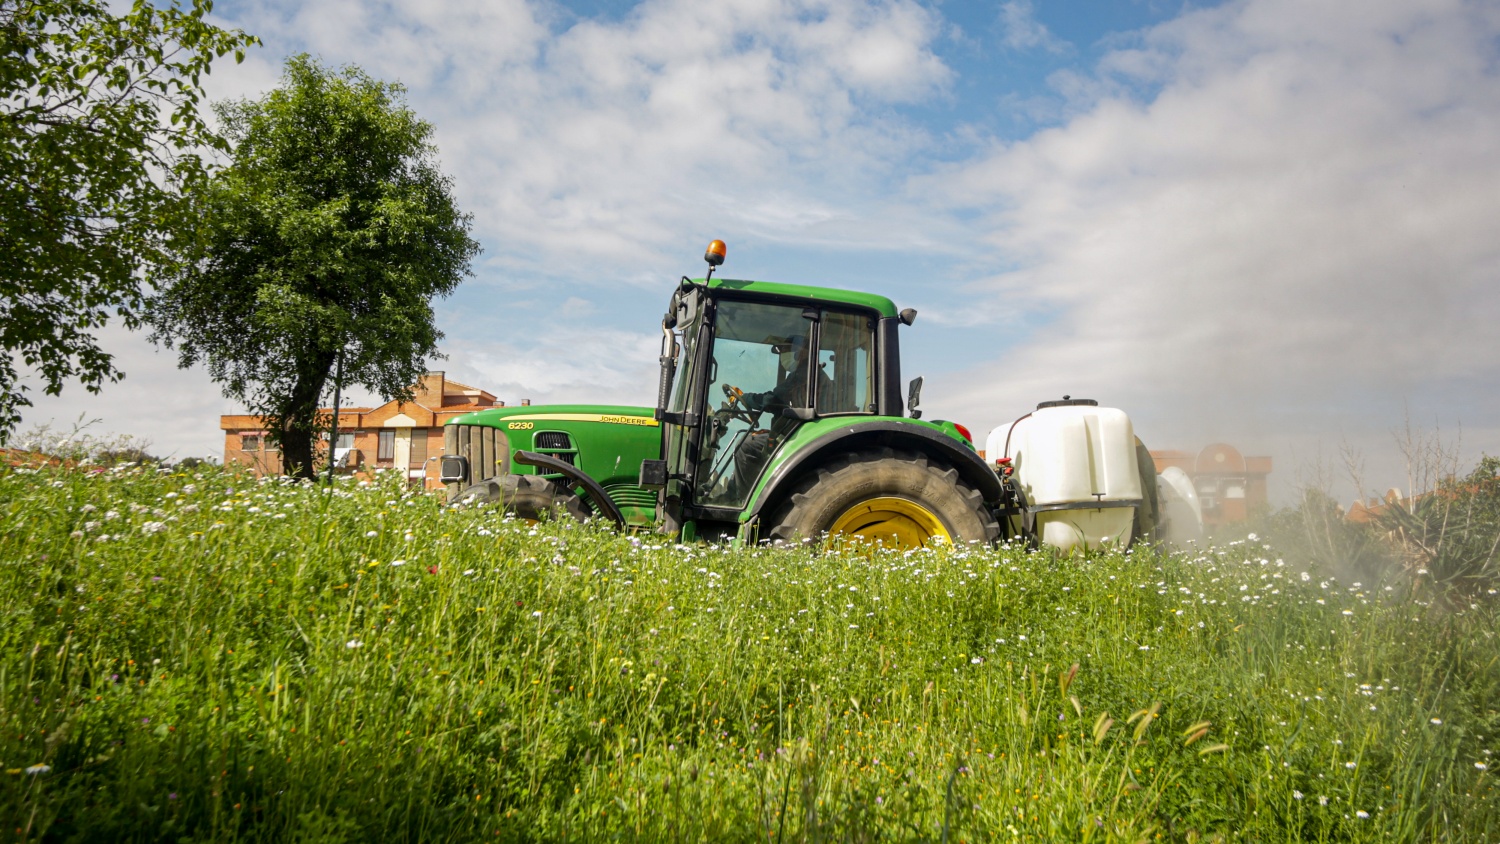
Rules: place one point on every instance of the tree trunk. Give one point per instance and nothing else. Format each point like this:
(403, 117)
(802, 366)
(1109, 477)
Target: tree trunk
(299, 419)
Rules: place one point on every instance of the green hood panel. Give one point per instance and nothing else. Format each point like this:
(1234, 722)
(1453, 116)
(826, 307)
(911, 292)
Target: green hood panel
(606, 441)
(607, 413)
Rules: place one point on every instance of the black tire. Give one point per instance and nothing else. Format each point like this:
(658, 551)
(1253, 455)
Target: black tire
(827, 495)
(529, 497)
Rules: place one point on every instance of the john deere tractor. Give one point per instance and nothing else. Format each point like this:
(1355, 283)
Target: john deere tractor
(780, 416)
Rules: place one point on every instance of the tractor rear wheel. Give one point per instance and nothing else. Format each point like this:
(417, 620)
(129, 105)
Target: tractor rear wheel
(898, 498)
(530, 497)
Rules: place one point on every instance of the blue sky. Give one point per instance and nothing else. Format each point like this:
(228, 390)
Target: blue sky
(1265, 222)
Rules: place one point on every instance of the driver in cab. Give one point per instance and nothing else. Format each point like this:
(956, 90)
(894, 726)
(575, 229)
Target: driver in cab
(755, 449)
(792, 391)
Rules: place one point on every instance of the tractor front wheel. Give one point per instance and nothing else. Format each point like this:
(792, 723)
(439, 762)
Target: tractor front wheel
(530, 497)
(897, 498)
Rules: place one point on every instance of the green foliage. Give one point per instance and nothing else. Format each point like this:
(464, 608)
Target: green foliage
(327, 235)
(1452, 534)
(1445, 541)
(99, 138)
(1318, 533)
(203, 656)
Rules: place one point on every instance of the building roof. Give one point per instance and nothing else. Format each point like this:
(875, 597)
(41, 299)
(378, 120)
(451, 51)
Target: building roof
(435, 399)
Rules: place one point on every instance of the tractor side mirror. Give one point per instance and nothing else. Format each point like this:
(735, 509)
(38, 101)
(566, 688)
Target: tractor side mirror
(914, 396)
(653, 474)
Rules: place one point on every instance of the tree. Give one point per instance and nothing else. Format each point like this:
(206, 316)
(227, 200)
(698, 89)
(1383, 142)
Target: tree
(99, 142)
(322, 242)
(1451, 534)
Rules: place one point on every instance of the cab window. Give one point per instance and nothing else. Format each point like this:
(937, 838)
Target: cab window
(846, 364)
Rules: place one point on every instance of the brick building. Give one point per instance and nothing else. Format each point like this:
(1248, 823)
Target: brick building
(1371, 511)
(1231, 487)
(395, 435)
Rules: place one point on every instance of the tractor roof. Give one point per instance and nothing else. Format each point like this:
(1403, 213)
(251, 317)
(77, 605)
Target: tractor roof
(885, 307)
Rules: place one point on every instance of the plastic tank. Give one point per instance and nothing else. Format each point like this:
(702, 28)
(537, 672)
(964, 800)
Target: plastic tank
(1068, 455)
(1182, 514)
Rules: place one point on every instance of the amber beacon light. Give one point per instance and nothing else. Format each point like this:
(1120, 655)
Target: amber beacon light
(715, 254)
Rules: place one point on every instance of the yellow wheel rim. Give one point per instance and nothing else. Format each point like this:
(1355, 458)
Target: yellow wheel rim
(896, 522)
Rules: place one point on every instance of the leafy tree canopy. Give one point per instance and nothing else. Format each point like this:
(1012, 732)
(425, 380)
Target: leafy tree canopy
(1451, 535)
(325, 239)
(99, 141)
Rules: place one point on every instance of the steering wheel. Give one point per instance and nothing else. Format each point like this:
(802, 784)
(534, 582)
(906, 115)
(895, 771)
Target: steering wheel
(734, 404)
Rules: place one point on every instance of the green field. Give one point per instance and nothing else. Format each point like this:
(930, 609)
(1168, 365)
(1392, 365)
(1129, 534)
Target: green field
(202, 656)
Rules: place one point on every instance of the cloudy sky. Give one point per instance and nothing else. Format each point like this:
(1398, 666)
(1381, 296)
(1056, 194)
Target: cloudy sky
(1262, 222)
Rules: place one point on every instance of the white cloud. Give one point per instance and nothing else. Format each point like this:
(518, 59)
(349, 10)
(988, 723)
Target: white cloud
(1022, 31)
(584, 143)
(175, 411)
(562, 366)
(1294, 235)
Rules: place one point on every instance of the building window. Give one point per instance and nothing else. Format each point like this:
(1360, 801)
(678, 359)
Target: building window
(345, 441)
(249, 442)
(387, 449)
(418, 448)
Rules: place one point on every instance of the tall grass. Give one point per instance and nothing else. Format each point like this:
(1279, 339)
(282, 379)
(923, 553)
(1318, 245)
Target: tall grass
(202, 656)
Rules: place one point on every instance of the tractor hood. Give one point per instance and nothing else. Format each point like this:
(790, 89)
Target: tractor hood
(603, 413)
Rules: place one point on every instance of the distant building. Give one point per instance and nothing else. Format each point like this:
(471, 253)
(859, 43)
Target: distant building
(1230, 486)
(396, 435)
(1368, 512)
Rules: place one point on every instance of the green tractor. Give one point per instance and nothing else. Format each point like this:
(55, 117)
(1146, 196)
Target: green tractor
(780, 416)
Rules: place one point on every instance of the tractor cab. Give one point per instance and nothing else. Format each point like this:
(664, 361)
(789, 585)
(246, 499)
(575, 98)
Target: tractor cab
(744, 366)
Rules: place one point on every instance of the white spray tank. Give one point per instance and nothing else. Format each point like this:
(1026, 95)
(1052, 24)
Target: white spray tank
(1181, 514)
(1076, 465)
